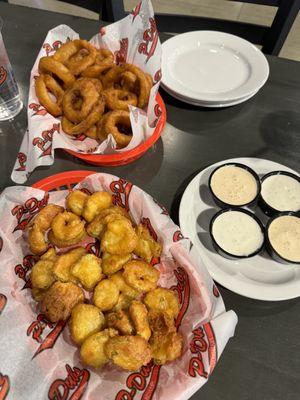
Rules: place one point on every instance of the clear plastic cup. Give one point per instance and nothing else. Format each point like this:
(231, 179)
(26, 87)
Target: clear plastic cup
(10, 102)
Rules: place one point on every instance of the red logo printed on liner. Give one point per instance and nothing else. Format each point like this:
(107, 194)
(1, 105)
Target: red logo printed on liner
(38, 109)
(55, 46)
(44, 143)
(25, 212)
(72, 387)
(23, 270)
(22, 158)
(4, 386)
(121, 190)
(121, 54)
(150, 37)
(37, 328)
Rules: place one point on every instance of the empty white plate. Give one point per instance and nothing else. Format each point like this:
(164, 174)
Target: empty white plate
(207, 104)
(212, 66)
(258, 277)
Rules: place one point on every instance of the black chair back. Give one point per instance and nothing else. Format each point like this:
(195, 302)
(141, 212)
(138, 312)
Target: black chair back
(270, 38)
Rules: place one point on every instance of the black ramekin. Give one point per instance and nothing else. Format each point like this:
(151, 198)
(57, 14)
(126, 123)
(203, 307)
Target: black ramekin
(273, 253)
(223, 252)
(221, 203)
(264, 206)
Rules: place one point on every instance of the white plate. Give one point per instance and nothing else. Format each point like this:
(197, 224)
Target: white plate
(212, 66)
(207, 104)
(259, 277)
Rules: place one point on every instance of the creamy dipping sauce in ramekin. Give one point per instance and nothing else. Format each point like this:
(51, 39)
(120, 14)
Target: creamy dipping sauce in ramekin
(234, 185)
(284, 236)
(281, 192)
(237, 233)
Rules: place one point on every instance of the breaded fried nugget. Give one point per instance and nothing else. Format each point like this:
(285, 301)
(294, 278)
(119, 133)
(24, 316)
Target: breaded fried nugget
(163, 300)
(97, 226)
(119, 237)
(128, 352)
(60, 299)
(86, 319)
(166, 347)
(106, 295)
(95, 203)
(120, 320)
(123, 287)
(139, 315)
(146, 247)
(88, 271)
(112, 263)
(92, 349)
(42, 274)
(75, 201)
(140, 275)
(63, 264)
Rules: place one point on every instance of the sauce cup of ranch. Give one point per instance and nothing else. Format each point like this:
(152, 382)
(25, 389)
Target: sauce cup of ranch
(234, 185)
(236, 233)
(280, 191)
(283, 237)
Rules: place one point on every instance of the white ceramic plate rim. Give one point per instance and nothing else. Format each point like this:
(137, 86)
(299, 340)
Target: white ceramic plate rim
(255, 58)
(208, 104)
(262, 291)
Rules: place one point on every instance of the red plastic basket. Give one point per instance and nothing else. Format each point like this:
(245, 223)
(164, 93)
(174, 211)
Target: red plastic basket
(130, 155)
(62, 181)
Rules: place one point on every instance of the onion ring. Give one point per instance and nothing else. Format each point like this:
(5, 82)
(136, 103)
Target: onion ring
(144, 84)
(84, 57)
(43, 85)
(82, 89)
(65, 51)
(115, 118)
(104, 56)
(128, 81)
(117, 99)
(51, 66)
(97, 71)
(76, 129)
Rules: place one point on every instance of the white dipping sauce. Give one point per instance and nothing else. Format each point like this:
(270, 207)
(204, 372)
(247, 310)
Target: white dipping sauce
(281, 192)
(284, 236)
(237, 233)
(233, 185)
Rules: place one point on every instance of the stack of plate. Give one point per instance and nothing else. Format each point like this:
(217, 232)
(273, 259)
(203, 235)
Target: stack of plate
(212, 69)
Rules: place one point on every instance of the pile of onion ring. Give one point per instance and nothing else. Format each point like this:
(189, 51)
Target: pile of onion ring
(90, 92)
(117, 312)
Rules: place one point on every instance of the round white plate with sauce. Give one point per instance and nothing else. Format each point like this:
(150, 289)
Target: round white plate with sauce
(258, 277)
(212, 66)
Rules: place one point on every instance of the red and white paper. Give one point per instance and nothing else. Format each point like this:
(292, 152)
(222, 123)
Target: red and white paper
(133, 39)
(38, 359)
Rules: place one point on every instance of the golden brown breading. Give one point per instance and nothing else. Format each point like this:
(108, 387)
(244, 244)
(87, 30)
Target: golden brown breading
(75, 201)
(86, 319)
(128, 352)
(166, 347)
(60, 299)
(120, 320)
(97, 226)
(88, 271)
(146, 247)
(163, 300)
(63, 264)
(106, 295)
(119, 237)
(95, 203)
(92, 349)
(42, 274)
(139, 315)
(112, 263)
(140, 275)
(127, 290)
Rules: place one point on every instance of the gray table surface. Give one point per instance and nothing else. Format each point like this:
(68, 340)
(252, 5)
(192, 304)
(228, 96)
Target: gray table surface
(262, 361)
